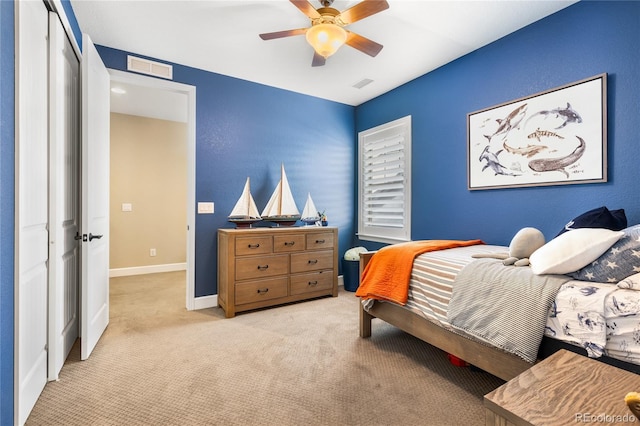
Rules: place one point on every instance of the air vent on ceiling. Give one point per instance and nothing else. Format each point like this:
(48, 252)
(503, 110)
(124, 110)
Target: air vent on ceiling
(146, 66)
(362, 83)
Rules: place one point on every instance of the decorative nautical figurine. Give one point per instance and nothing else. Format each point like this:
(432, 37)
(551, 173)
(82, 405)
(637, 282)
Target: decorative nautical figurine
(310, 212)
(281, 207)
(245, 212)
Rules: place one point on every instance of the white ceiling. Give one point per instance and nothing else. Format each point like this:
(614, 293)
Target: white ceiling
(222, 36)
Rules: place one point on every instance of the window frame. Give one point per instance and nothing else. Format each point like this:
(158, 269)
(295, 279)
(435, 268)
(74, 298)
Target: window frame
(388, 131)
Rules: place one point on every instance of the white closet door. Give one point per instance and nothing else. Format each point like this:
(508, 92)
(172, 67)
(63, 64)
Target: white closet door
(95, 198)
(31, 200)
(64, 196)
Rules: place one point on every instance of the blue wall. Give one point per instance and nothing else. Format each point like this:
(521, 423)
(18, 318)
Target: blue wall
(248, 129)
(7, 158)
(584, 40)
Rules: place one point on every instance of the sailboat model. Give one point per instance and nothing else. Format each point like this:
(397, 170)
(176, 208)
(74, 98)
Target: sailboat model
(281, 207)
(310, 212)
(245, 211)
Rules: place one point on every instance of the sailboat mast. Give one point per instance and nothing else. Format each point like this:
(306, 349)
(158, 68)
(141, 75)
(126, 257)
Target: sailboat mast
(281, 186)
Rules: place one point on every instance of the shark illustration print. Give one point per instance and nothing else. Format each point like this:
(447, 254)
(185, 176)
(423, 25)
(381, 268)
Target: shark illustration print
(551, 138)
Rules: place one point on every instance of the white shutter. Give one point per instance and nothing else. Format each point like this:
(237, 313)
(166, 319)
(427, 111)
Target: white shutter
(384, 182)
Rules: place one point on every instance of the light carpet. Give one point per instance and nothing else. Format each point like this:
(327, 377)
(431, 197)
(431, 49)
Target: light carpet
(299, 364)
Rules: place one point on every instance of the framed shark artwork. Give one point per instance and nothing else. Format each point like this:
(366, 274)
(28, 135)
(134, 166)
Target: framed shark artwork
(554, 137)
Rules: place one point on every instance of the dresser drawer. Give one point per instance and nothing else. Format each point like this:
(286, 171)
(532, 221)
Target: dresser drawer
(256, 291)
(311, 261)
(261, 266)
(254, 245)
(315, 281)
(320, 240)
(287, 243)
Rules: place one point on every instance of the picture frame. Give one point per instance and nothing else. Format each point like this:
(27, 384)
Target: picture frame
(555, 137)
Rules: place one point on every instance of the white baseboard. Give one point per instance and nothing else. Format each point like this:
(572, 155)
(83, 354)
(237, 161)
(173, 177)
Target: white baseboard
(340, 280)
(204, 302)
(151, 269)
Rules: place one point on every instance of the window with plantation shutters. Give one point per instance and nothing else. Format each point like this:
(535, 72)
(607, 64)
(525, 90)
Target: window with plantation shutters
(384, 183)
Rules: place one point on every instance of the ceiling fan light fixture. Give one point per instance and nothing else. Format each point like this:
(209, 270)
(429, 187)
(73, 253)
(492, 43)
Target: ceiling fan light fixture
(326, 39)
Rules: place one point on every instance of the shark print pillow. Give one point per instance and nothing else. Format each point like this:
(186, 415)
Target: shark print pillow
(619, 262)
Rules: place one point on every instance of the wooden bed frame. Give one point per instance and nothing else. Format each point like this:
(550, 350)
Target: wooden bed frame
(492, 360)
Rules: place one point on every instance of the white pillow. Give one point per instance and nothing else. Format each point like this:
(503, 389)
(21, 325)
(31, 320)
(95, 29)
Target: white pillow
(632, 282)
(572, 250)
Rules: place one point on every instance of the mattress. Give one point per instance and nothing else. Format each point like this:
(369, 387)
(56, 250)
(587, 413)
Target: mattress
(599, 317)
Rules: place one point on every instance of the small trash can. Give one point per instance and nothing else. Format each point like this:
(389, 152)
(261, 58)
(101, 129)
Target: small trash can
(351, 268)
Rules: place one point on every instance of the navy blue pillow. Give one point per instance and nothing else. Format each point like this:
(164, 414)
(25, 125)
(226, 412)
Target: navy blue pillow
(602, 217)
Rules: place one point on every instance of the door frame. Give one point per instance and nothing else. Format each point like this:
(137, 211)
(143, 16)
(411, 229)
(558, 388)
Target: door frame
(190, 92)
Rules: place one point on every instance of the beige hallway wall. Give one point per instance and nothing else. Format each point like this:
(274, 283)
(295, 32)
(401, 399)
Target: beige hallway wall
(148, 171)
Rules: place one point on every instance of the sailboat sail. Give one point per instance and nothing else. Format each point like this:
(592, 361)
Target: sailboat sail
(245, 208)
(281, 203)
(310, 212)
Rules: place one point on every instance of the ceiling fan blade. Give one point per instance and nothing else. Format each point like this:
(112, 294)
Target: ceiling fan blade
(362, 10)
(286, 33)
(363, 44)
(306, 8)
(318, 60)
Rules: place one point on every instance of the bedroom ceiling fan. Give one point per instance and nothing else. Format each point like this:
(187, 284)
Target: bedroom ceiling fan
(327, 32)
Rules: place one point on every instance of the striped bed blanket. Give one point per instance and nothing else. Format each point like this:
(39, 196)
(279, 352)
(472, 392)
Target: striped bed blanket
(504, 306)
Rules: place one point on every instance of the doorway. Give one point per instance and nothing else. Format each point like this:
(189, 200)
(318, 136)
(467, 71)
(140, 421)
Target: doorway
(151, 98)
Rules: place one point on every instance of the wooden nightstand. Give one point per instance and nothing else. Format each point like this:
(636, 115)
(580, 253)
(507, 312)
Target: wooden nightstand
(564, 389)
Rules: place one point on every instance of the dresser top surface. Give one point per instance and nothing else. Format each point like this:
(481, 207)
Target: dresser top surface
(264, 230)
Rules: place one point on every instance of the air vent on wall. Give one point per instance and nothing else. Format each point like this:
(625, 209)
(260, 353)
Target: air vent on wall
(146, 66)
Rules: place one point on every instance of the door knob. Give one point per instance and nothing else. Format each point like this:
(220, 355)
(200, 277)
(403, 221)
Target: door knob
(91, 236)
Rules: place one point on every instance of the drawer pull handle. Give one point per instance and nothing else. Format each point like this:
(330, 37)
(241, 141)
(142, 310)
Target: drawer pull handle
(319, 241)
(253, 246)
(289, 243)
(313, 261)
(313, 283)
(262, 290)
(263, 268)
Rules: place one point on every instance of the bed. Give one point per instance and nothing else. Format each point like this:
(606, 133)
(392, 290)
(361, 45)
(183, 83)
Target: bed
(596, 319)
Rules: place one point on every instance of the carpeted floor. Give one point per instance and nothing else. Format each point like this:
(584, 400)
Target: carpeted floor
(300, 364)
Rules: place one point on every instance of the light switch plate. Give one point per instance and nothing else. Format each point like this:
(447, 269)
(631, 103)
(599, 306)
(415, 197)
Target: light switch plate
(127, 207)
(205, 208)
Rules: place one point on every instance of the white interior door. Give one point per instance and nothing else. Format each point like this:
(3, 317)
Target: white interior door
(31, 205)
(64, 197)
(95, 198)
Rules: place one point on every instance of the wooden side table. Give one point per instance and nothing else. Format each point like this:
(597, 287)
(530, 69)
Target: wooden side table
(564, 389)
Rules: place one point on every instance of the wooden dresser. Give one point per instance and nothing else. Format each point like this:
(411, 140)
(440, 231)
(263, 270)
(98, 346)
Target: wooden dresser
(260, 267)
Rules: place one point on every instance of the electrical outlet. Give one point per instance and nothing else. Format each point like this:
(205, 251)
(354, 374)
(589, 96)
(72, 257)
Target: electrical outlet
(152, 252)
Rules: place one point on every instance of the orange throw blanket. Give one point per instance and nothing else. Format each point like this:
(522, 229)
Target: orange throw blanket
(387, 275)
